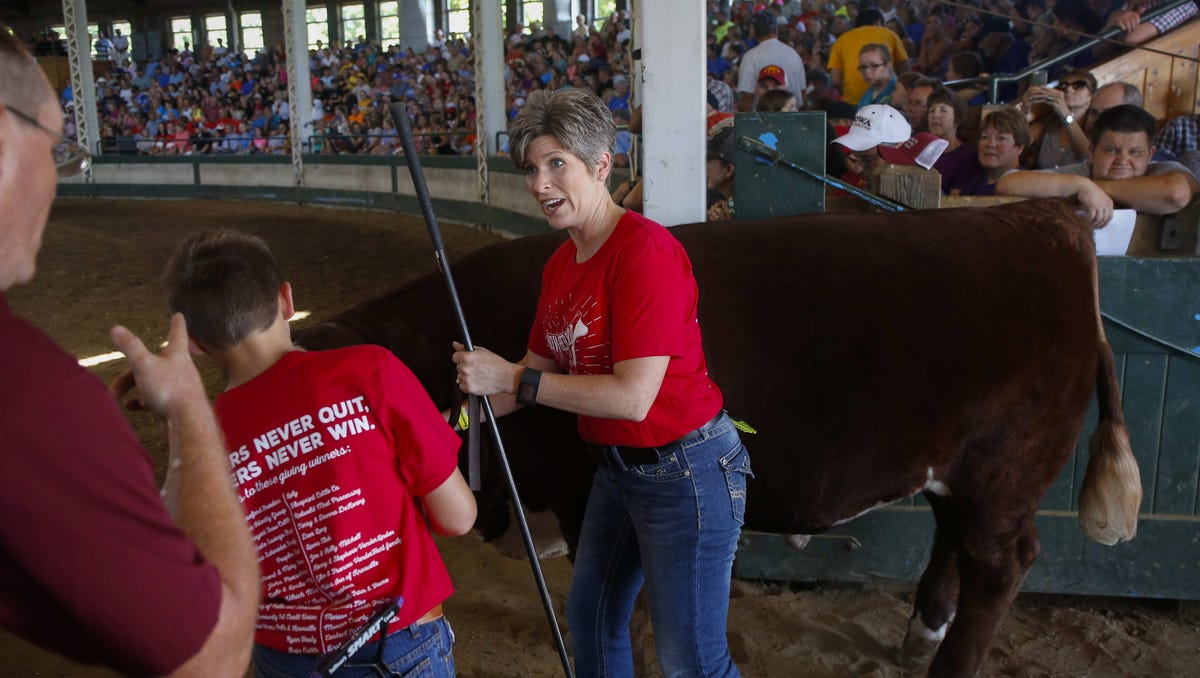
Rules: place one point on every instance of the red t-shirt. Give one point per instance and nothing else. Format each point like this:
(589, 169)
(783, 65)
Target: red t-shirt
(329, 450)
(91, 565)
(635, 298)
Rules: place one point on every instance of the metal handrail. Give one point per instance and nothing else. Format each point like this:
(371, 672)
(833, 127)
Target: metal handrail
(994, 82)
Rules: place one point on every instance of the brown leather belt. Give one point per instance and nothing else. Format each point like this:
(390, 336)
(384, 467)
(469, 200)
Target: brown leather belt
(433, 614)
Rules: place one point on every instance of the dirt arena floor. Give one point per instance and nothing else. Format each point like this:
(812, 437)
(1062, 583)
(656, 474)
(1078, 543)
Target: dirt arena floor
(100, 266)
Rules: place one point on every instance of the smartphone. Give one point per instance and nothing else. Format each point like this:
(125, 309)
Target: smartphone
(1037, 79)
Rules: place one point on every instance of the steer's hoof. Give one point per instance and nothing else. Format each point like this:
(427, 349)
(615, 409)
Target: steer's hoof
(921, 643)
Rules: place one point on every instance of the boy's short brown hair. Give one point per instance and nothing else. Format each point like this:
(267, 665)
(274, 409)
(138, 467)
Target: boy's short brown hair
(225, 283)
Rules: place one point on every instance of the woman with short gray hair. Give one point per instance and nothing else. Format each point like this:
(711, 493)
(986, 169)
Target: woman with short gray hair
(616, 341)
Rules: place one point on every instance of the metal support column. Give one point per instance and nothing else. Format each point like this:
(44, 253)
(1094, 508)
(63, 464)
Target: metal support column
(489, 86)
(233, 41)
(299, 87)
(83, 86)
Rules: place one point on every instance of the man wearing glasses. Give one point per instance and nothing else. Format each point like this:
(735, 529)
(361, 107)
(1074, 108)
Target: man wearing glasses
(875, 66)
(844, 55)
(92, 564)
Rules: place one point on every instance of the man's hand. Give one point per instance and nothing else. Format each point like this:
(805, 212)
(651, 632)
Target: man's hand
(1097, 205)
(166, 381)
(1126, 19)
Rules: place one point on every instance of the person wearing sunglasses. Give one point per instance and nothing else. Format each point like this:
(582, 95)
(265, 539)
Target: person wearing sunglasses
(1059, 118)
(94, 563)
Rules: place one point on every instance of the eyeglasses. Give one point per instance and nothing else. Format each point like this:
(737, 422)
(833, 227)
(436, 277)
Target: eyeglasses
(870, 67)
(69, 157)
(1078, 84)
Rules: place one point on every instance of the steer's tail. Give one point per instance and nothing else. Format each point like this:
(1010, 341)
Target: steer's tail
(1112, 488)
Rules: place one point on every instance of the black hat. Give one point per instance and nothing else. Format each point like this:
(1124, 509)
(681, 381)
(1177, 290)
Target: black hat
(722, 145)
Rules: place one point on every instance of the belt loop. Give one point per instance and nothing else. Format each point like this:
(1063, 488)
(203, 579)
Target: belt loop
(615, 459)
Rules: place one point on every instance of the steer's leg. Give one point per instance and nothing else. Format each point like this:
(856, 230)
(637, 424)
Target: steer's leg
(991, 566)
(937, 593)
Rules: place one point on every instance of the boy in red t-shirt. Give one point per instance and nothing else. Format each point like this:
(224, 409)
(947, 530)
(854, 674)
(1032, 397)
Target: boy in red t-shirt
(342, 463)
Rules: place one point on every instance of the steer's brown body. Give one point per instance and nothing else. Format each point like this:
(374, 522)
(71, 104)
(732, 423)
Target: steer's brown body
(951, 352)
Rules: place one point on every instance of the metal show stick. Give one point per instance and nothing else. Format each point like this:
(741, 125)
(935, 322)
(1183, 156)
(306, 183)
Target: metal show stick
(400, 118)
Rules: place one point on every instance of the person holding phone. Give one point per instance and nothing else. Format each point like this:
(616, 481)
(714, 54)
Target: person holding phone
(1059, 118)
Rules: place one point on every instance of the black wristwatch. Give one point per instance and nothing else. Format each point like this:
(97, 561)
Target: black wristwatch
(528, 387)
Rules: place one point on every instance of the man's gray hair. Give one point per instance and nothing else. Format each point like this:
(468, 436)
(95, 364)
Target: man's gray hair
(576, 118)
(1130, 94)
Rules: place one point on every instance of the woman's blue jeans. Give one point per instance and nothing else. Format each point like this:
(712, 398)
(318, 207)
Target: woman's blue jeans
(673, 525)
(419, 651)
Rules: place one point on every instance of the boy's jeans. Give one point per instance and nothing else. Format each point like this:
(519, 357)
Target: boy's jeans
(420, 651)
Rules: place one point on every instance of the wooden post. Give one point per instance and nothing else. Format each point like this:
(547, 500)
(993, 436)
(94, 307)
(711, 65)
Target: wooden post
(915, 187)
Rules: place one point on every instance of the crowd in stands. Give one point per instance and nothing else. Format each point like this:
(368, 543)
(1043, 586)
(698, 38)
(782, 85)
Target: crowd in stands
(870, 60)
(215, 100)
(915, 56)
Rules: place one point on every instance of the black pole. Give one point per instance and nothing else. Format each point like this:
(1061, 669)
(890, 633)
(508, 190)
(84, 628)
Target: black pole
(400, 118)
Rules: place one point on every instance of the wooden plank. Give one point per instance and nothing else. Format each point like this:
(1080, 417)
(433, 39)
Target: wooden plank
(1127, 66)
(1144, 395)
(1178, 479)
(893, 544)
(916, 187)
(1157, 90)
(1179, 76)
(1183, 83)
(978, 200)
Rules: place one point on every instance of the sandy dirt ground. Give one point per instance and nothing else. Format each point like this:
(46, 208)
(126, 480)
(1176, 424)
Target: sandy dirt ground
(100, 266)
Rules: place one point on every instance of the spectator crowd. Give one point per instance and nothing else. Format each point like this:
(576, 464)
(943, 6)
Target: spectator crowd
(216, 100)
(917, 57)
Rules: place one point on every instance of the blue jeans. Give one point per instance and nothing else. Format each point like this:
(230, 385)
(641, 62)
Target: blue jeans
(673, 525)
(419, 651)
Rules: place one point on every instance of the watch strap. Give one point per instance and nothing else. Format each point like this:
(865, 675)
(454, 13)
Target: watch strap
(528, 387)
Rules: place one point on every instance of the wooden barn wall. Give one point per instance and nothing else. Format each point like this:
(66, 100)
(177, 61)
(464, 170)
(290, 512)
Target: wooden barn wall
(1167, 76)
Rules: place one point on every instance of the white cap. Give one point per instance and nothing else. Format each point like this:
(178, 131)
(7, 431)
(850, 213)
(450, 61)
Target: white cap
(873, 125)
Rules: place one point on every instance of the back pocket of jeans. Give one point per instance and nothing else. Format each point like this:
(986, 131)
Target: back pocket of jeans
(736, 465)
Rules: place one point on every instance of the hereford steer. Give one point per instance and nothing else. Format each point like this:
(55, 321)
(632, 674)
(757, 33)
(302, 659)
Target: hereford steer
(947, 352)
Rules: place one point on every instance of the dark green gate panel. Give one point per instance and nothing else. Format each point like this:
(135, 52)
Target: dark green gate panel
(892, 544)
(1152, 321)
(1178, 481)
(764, 190)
